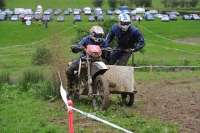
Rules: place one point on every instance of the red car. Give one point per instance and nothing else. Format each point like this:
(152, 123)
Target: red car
(22, 15)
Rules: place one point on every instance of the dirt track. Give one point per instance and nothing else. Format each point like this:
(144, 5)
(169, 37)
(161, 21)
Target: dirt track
(175, 101)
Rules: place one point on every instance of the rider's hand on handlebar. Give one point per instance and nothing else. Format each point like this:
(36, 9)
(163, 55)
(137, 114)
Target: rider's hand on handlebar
(109, 49)
(129, 50)
(75, 49)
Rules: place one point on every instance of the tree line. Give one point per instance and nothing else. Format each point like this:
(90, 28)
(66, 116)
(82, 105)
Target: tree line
(147, 3)
(179, 3)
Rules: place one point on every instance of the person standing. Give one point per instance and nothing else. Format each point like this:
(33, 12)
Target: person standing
(46, 23)
(139, 19)
(127, 37)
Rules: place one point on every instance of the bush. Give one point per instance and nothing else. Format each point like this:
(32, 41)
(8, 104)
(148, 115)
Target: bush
(42, 56)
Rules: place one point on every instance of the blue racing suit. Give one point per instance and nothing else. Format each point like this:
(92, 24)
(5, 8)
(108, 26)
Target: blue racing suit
(74, 65)
(132, 38)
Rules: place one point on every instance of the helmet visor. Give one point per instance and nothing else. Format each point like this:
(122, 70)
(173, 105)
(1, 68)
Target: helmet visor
(98, 36)
(125, 23)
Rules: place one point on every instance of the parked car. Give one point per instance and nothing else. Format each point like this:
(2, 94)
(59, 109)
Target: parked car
(186, 17)
(77, 11)
(165, 18)
(138, 17)
(38, 17)
(29, 17)
(153, 11)
(132, 13)
(47, 18)
(109, 12)
(194, 17)
(87, 11)
(96, 14)
(22, 15)
(100, 18)
(60, 19)
(47, 12)
(117, 12)
(77, 18)
(158, 15)
(176, 13)
(67, 12)
(91, 18)
(15, 18)
(70, 10)
(3, 17)
(127, 12)
(172, 17)
(57, 12)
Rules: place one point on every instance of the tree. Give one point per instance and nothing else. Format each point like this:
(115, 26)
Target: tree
(2, 4)
(112, 4)
(141, 3)
(97, 3)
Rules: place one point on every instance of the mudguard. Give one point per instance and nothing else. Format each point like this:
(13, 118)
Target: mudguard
(98, 68)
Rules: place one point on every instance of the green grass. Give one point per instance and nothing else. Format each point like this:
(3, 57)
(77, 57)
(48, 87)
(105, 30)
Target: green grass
(22, 112)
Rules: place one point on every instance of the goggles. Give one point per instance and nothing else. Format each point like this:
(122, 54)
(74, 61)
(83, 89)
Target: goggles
(125, 23)
(98, 36)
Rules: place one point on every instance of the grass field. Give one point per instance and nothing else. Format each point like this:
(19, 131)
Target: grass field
(166, 45)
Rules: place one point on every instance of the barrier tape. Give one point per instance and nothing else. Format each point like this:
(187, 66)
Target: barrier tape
(175, 49)
(168, 38)
(39, 40)
(17, 53)
(64, 97)
(167, 67)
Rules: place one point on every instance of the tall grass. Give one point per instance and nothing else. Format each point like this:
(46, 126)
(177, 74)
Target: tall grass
(29, 76)
(4, 78)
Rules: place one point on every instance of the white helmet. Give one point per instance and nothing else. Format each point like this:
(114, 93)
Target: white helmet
(124, 21)
(96, 34)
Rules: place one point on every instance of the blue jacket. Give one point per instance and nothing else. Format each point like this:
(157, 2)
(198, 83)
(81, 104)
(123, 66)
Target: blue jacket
(88, 41)
(132, 38)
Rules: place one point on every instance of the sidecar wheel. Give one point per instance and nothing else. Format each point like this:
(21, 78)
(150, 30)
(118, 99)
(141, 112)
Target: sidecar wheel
(101, 93)
(128, 99)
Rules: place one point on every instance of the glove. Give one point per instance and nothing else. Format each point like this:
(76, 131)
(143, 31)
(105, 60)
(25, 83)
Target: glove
(82, 48)
(109, 49)
(75, 49)
(129, 50)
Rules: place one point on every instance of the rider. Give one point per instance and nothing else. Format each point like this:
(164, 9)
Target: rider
(127, 37)
(95, 37)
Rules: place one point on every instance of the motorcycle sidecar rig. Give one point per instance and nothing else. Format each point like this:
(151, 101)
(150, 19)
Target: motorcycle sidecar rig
(121, 81)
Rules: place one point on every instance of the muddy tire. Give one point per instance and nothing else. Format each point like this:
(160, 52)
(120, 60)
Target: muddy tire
(102, 93)
(73, 96)
(128, 99)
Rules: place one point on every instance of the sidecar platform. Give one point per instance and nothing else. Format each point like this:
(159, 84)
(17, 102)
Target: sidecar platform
(121, 79)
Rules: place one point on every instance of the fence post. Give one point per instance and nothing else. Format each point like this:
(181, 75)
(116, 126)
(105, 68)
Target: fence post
(70, 117)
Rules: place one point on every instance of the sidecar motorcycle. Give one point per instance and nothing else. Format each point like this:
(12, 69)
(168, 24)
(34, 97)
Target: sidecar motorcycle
(98, 80)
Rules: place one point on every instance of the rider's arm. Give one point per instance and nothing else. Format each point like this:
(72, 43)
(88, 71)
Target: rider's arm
(140, 39)
(110, 36)
(105, 44)
(82, 42)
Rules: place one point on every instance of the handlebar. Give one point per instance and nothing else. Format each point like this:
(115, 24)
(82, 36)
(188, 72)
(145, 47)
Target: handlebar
(110, 49)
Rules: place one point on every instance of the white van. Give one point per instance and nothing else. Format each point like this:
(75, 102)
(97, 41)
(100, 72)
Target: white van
(18, 11)
(140, 10)
(87, 11)
(39, 10)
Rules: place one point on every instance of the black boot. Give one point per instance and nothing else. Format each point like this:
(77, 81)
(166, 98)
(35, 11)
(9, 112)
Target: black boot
(68, 88)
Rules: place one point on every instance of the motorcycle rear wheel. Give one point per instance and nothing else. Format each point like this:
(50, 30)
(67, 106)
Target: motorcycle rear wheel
(102, 92)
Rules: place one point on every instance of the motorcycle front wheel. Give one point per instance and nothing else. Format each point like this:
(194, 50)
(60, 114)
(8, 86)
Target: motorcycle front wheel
(101, 93)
